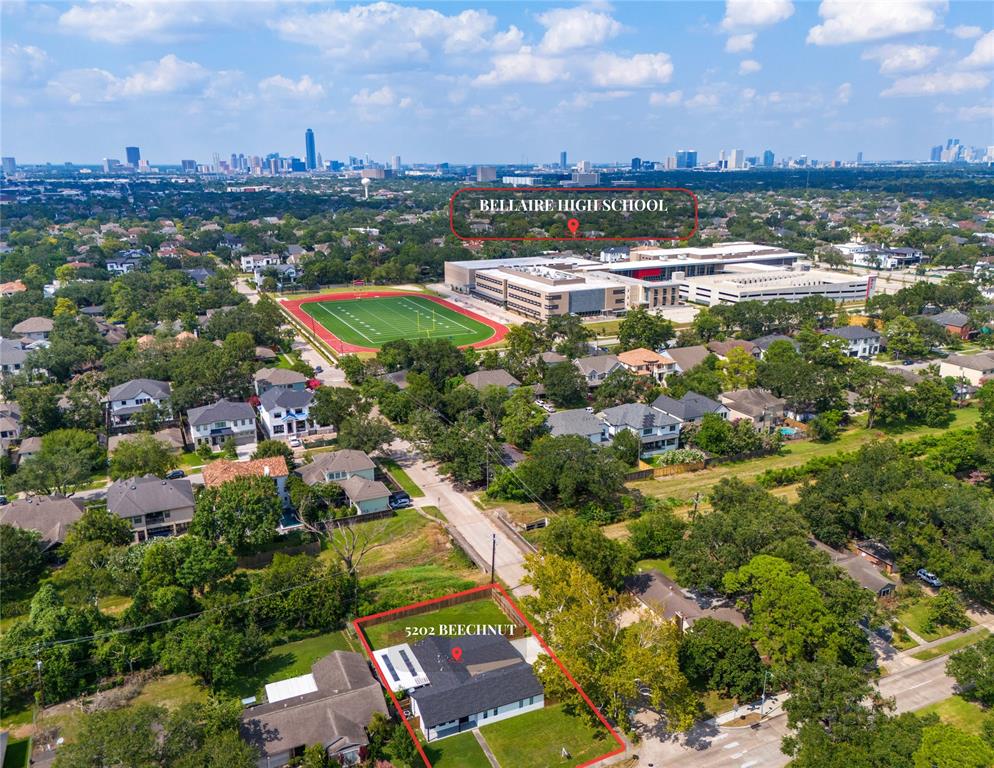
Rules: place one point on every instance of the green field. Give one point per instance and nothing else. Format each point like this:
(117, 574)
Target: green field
(373, 321)
(482, 611)
(460, 751)
(536, 739)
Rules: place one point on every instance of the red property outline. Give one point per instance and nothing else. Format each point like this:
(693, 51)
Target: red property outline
(293, 307)
(573, 189)
(482, 588)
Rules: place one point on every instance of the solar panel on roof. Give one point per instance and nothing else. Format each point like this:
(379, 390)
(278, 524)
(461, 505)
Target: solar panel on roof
(407, 661)
(390, 668)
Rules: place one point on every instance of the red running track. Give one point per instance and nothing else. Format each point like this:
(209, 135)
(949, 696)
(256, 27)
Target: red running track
(293, 307)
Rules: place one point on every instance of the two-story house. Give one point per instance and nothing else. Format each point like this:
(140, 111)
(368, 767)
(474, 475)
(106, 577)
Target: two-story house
(154, 507)
(278, 378)
(355, 473)
(691, 408)
(863, 343)
(12, 357)
(253, 261)
(286, 412)
(282, 273)
(645, 362)
(34, 328)
(125, 262)
(577, 421)
(215, 423)
(658, 432)
(275, 467)
(10, 426)
(596, 368)
(126, 400)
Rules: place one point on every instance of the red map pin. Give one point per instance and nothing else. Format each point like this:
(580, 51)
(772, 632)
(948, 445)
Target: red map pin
(456, 653)
(573, 225)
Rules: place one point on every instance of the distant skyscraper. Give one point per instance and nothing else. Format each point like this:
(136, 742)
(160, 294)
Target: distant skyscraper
(737, 159)
(686, 158)
(320, 162)
(311, 156)
(936, 154)
(486, 173)
(188, 166)
(636, 163)
(768, 158)
(111, 165)
(562, 159)
(133, 156)
(859, 158)
(584, 166)
(9, 166)
(396, 163)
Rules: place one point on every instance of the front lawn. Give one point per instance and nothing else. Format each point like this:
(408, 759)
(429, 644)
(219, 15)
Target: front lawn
(958, 712)
(913, 614)
(665, 567)
(536, 739)
(171, 691)
(459, 751)
(482, 611)
(285, 661)
(951, 645)
(402, 478)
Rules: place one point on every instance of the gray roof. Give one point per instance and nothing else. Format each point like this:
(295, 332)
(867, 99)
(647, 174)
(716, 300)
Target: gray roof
(637, 416)
(346, 460)
(498, 377)
(34, 325)
(285, 398)
(490, 674)
(142, 495)
(335, 715)
(222, 410)
(753, 402)
(551, 358)
(577, 421)
(690, 407)
(722, 348)
(51, 516)
(596, 364)
(670, 599)
(949, 317)
(360, 489)
(159, 390)
(860, 570)
(279, 376)
(853, 332)
(688, 358)
(764, 342)
(12, 352)
(982, 362)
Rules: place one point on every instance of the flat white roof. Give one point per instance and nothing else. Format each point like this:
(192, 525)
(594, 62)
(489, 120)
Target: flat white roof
(776, 278)
(290, 688)
(401, 667)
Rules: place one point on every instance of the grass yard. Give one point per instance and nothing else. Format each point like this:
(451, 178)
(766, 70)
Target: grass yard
(958, 712)
(411, 585)
(171, 691)
(459, 751)
(373, 321)
(951, 645)
(402, 478)
(114, 605)
(18, 753)
(913, 613)
(535, 739)
(288, 660)
(483, 611)
(665, 567)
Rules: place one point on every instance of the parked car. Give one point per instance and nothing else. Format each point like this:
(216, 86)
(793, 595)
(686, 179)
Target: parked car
(399, 500)
(175, 474)
(318, 369)
(3, 500)
(295, 442)
(928, 577)
(907, 362)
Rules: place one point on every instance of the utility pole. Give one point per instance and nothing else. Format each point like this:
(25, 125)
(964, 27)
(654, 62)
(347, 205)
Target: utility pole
(493, 557)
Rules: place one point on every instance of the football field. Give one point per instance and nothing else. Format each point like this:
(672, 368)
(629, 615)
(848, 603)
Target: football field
(371, 321)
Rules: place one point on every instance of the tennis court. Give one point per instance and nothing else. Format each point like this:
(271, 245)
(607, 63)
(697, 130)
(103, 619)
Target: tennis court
(368, 321)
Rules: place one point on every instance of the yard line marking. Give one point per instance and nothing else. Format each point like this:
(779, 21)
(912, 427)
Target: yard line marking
(337, 317)
(419, 309)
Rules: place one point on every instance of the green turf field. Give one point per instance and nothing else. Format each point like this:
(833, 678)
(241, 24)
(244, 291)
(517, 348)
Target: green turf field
(373, 321)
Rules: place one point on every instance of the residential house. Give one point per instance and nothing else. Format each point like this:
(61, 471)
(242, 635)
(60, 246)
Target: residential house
(577, 421)
(688, 358)
(282, 273)
(763, 343)
(364, 495)
(337, 465)
(860, 570)
(126, 400)
(154, 507)
(330, 706)
(657, 431)
(491, 681)
(29, 447)
(34, 328)
(254, 261)
(976, 369)
(50, 516)
(12, 357)
(498, 377)
(596, 368)
(863, 343)
(125, 262)
(760, 406)
(199, 275)
(12, 287)
(10, 425)
(954, 321)
(265, 354)
(691, 408)
(172, 436)
(877, 553)
(645, 362)
(278, 378)
(722, 348)
(215, 423)
(671, 601)
(286, 412)
(221, 471)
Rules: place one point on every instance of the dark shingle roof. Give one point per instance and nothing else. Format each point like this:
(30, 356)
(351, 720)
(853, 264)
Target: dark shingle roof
(51, 516)
(222, 410)
(637, 416)
(142, 495)
(286, 398)
(853, 332)
(689, 407)
(160, 390)
(576, 421)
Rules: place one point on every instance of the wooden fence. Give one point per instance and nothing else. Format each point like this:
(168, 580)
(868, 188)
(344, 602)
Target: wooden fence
(448, 602)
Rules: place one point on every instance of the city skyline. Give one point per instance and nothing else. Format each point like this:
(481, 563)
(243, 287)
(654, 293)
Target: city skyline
(494, 83)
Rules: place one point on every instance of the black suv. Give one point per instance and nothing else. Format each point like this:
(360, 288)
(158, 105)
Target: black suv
(399, 500)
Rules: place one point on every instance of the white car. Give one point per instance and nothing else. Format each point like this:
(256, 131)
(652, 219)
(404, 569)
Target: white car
(295, 443)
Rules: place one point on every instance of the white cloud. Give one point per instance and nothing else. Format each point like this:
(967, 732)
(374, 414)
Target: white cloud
(982, 54)
(902, 58)
(523, 67)
(845, 21)
(388, 34)
(383, 97)
(660, 99)
(24, 64)
(965, 32)
(639, 70)
(703, 100)
(979, 112)
(740, 43)
(170, 74)
(755, 13)
(843, 93)
(509, 40)
(279, 86)
(567, 29)
(938, 84)
(128, 21)
(588, 99)
(748, 66)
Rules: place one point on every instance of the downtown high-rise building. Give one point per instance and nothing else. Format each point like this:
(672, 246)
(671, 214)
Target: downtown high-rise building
(188, 166)
(310, 154)
(9, 166)
(768, 158)
(395, 164)
(736, 159)
(636, 163)
(935, 155)
(562, 160)
(132, 156)
(686, 158)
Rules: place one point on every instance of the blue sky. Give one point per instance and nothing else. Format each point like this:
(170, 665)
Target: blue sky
(494, 82)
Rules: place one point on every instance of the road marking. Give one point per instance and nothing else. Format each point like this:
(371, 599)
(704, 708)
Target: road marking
(720, 737)
(749, 764)
(732, 745)
(737, 755)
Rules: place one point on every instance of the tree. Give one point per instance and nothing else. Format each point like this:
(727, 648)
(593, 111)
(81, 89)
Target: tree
(364, 433)
(141, 454)
(98, 524)
(565, 385)
(718, 656)
(39, 408)
(523, 420)
(946, 610)
(825, 426)
(931, 403)
(973, 670)
(241, 512)
(209, 649)
(66, 460)
(21, 560)
(655, 533)
(229, 450)
(608, 560)
(738, 369)
(944, 746)
(301, 592)
(714, 435)
(627, 447)
(493, 398)
(333, 405)
(122, 737)
(641, 329)
(265, 449)
(904, 339)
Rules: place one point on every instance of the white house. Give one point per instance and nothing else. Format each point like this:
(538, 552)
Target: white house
(286, 412)
(596, 368)
(126, 400)
(974, 368)
(125, 261)
(577, 421)
(863, 342)
(657, 431)
(215, 423)
(253, 261)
